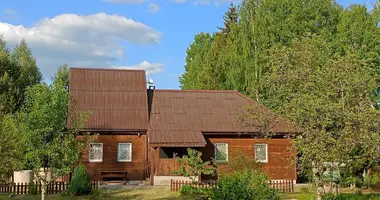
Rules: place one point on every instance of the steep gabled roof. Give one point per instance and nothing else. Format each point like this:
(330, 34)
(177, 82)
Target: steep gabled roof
(181, 117)
(116, 98)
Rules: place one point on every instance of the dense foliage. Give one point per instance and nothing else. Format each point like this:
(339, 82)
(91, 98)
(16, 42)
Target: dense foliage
(80, 183)
(33, 118)
(312, 61)
(246, 184)
(18, 71)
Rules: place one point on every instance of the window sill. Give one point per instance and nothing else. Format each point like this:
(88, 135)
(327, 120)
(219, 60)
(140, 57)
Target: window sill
(221, 162)
(95, 161)
(262, 162)
(124, 161)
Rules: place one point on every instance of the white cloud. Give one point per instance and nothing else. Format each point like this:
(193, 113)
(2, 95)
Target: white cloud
(125, 1)
(79, 40)
(153, 7)
(150, 68)
(178, 1)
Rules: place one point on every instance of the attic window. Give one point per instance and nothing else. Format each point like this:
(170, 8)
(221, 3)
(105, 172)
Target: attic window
(95, 152)
(261, 153)
(221, 152)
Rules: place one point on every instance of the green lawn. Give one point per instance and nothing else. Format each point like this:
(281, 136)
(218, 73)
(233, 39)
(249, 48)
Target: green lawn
(138, 194)
(153, 194)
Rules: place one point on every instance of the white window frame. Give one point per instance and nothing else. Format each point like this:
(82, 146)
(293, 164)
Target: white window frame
(266, 153)
(130, 152)
(89, 149)
(216, 149)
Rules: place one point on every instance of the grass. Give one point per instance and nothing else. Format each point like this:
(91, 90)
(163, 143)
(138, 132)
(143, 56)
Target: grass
(166, 194)
(138, 194)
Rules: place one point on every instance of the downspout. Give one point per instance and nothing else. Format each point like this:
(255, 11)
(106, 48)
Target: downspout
(150, 92)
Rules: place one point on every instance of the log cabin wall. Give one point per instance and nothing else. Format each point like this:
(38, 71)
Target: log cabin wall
(280, 163)
(136, 168)
(281, 159)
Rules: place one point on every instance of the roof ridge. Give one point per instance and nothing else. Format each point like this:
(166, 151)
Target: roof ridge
(106, 69)
(210, 91)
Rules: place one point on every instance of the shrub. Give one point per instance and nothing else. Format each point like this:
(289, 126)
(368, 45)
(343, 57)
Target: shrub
(80, 182)
(66, 193)
(32, 188)
(246, 184)
(190, 190)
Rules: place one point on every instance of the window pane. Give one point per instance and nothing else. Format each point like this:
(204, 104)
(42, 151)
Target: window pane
(221, 151)
(261, 152)
(95, 152)
(124, 152)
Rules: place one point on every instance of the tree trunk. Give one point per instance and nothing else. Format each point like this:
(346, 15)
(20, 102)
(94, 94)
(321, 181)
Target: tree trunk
(43, 190)
(43, 186)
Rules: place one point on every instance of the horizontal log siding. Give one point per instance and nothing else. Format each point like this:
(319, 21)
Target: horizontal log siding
(135, 169)
(280, 164)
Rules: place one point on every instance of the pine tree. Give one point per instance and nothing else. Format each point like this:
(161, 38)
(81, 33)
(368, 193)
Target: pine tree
(230, 19)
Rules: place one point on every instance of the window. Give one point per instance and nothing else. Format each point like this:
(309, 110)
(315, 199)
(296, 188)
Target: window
(124, 152)
(95, 152)
(221, 152)
(261, 153)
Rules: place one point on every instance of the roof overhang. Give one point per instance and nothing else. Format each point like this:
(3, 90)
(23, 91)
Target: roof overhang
(176, 138)
(178, 144)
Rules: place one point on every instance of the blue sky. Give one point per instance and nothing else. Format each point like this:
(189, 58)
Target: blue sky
(144, 34)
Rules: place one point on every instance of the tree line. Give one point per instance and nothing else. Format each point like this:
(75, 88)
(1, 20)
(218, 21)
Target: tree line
(33, 119)
(313, 61)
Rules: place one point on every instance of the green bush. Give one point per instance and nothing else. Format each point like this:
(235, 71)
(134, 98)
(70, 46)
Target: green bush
(190, 190)
(80, 182)
(246, 184)
(32, 188)
(66, 193)
(330, 196)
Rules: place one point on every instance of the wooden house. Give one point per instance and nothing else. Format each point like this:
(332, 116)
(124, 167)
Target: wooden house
(141, 130)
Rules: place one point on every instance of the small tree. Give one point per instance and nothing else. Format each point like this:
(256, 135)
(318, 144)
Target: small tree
(49, 146)
(80, 183)
(192, 165)
(241, 161)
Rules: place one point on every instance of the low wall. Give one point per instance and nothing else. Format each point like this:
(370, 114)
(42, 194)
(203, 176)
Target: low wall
(165, 180)
(25, 176)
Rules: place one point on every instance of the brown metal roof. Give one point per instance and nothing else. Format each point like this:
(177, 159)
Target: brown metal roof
(182, 116)
(116, 98)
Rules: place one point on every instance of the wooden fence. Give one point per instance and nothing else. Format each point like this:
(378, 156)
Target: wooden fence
(24, 188)
(175, 185)
(280, 185)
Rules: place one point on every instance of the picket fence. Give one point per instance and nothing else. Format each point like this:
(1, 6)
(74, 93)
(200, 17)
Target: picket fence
(23, 188)
(280, 185)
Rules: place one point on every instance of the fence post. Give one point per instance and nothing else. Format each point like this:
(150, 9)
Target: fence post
(292, 186)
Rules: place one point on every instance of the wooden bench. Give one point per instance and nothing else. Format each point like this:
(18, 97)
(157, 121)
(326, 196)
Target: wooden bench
(114, 174)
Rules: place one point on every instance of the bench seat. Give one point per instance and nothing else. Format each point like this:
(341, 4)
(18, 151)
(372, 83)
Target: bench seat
(114, 174)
